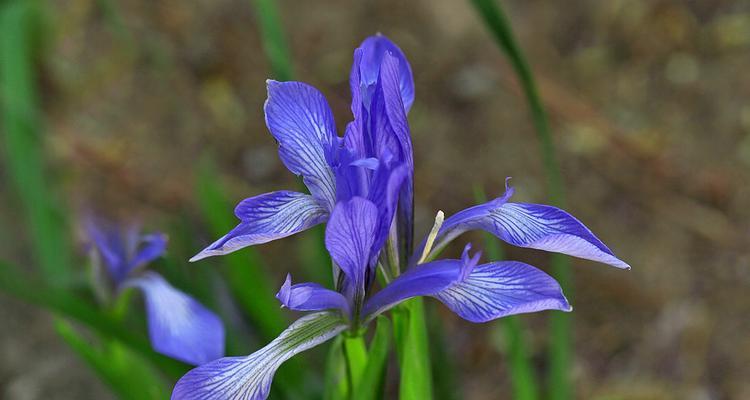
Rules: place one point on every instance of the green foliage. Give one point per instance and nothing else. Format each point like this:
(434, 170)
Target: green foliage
(64, 303)
(370, 386)
(244, 270)
(274, 43)
(24, 144)
(560, 323)
(127, 374)
(412, 345)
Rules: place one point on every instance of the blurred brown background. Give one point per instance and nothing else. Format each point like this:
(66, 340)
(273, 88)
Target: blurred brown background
(648, 101)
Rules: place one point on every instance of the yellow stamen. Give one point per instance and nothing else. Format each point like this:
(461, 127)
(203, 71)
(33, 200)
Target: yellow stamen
(431, 237)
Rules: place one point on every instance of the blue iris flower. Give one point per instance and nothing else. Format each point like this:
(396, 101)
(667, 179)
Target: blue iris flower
(362, 185)
(179, 326)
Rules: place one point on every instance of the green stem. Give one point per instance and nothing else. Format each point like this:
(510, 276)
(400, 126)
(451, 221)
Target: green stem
(560, 347)
(355, 354)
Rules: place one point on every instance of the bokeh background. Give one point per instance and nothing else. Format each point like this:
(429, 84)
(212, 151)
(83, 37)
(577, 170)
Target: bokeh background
(650, 114)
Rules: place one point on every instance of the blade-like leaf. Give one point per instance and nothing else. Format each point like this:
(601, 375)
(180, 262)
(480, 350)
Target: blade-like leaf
(129, 376)
(560, 350)
(371, 383)
(336, 385)
(247, 276)
(245, 273)
(412, 344)
(66, 304)
(355, 353)
(272, 36)
(23, 142)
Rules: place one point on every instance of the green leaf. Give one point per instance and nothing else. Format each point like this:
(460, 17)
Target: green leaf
(245, 271)
(522, 374)
(412, 345)
(66, 304)
(248, 278)
(272, 36)
(24, 144)
(494, 17)
(443, 364)
(336, 385)
(370, 386)
(128, 375)
(355, 353)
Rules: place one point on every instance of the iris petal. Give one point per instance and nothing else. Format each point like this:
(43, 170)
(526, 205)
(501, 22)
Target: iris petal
(300, 119)
(477, 293)
(367, 63)
(310, 297)
(503, 288)
(249, 378)
(350, 234)
(178, 325)
(533, 226)
(423, 280)
(268, 217)
(152, 247)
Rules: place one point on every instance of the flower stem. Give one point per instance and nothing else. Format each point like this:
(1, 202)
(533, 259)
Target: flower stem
(355, 354)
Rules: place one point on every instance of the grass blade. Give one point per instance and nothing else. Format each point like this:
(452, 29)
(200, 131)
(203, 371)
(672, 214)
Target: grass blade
(336, 385)
(412, 345)
(560, 387)
(447, 386)
(248, 279)
(24, 142)
(245, 273)
(272, 36)
(64, 303)
(125, 373)
(371, 385)
(510, 329)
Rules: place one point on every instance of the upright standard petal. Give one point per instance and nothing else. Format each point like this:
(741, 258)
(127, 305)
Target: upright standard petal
(498, 289)
(110, 243)
(389, 125)
(367, 62)
(534, 226)
(268, 217)
(350, 234)
(151, 247)
(249, 378)
(179, 326)
(310, 297)
(300, 119)
(387, 182)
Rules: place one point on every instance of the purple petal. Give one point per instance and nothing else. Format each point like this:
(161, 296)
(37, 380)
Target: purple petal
(534, 226)
(386, 185)
(250, 377)
(110, 244)
(300, 119)
(152, 247)
(310, 297)
(179, 326)
(268, 217)
(422, 280)
(350, 233)
(367, 63)
(503, 288)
